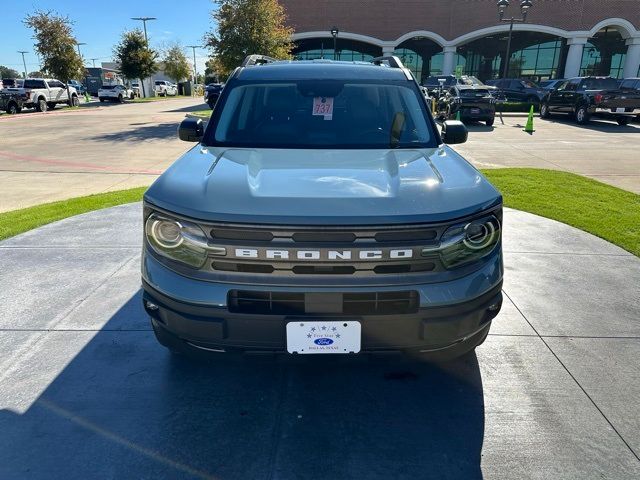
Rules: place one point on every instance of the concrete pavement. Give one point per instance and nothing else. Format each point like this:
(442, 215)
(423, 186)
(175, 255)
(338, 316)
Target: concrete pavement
(85, 392)
(61, 154)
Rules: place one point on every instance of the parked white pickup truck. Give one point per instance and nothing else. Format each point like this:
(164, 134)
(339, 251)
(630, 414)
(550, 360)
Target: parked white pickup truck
(45, 93)
(115, 93)
(164, 88)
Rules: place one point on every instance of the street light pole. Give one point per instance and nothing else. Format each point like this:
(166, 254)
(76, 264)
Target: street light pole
(23, 62)
(93, 60)
(144, 21)
(195, 70)
(78, 45)
(525, 5)
(334, 34)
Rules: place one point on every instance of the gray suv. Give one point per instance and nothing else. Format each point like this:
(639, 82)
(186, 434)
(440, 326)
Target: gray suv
(322, 212)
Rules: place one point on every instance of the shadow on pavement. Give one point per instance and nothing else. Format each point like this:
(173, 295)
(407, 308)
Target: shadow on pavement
(151, 131)
(192, 108)
(597, 124)
(125, 408)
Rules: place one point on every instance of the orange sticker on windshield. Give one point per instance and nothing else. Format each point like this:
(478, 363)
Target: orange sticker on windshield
(323, 106)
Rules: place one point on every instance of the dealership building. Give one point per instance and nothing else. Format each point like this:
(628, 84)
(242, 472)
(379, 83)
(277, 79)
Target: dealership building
(560, 38)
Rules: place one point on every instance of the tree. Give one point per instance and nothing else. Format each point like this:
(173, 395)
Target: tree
(56, 45)
(37, 74)
(135, 57)
(6, 72)
(176, 65)
(244, 27)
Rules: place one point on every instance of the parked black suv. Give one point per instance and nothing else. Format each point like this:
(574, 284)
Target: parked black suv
(212, 93)
(471, 102)
(517, 90)
(321, 211)
(584, 97)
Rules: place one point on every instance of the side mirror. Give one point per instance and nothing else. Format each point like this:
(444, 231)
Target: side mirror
(454, 131)
(191, 130)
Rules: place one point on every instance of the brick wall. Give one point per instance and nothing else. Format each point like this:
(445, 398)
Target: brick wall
(389, 19)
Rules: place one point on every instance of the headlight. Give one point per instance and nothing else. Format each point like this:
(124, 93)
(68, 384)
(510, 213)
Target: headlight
(182, 241)
(470, 241)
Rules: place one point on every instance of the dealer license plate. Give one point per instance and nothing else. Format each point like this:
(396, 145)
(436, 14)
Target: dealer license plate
(620, 110)
(475, 110)
(323, 337)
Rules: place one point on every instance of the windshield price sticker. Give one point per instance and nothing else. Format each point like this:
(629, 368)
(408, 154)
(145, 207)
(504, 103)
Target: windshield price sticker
(323, 106)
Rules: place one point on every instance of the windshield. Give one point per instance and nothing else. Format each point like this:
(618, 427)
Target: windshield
(322, 114)
(600, 84)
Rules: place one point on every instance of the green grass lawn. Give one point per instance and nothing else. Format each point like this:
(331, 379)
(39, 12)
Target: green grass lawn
(18, 221)
(159, 99)
(605, 211)
(201, 113)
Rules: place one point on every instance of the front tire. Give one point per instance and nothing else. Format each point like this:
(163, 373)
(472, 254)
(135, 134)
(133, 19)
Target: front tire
(13, 108)
(101, 99)
(41, 105)
(622, 121)
(544, 111)
(120, 99)
(75, 101)
(490, 122)
(51, 105)
(582, 115)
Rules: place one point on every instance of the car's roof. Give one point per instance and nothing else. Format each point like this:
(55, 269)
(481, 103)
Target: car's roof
(320, 69)
(471, 87)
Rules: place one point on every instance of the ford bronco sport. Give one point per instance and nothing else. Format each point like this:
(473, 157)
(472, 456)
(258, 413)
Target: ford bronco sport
(322, 212)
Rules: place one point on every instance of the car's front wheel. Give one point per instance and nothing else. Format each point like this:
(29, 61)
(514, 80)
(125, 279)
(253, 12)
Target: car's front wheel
(582, 115)
(490, 122)
(120, 98)
(623, 121)
(12, 108)
(75, 101)
(51, 105)
(544, 111)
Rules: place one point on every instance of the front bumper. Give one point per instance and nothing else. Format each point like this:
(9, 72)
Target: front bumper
(197, 312)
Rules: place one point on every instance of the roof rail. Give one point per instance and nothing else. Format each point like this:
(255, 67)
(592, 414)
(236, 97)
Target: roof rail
(393, 62)
(250, 60)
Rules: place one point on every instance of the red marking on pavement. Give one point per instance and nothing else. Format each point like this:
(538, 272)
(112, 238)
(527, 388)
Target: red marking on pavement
(64, 163)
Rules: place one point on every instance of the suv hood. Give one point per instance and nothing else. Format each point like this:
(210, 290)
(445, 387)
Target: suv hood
(329, 187)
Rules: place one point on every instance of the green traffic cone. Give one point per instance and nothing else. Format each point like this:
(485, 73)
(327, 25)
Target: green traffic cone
(458, 115)
(529, 126)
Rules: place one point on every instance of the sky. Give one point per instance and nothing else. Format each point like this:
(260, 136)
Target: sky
(100, 25)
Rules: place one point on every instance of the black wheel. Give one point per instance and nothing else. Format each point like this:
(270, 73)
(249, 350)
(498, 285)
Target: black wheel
(490, 122)
(75, 101)
(544, 111)
(51, 105)
(120, 98)
(132, 96)
(12, 108)
(101, 99)
(623, 120)
(41, 105)
(582, 115)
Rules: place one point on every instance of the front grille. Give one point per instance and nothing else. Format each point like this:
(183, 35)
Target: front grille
(287, 303)
(338, 251)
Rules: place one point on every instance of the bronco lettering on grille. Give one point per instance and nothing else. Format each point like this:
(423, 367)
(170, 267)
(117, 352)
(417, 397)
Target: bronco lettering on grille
(326, 255)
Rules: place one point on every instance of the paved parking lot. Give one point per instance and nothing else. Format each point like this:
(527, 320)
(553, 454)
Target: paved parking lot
(98, 148)
(57, 155)
(85, 391)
